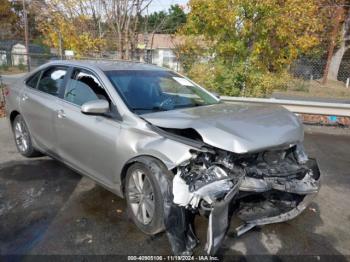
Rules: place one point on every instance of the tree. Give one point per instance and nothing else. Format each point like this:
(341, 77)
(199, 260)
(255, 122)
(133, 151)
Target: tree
(10, 20)
(154, 22)
(122, 18)
(176, 18)
(255, 39)
(270, 32)
(164, 22)
(86, 26)
(343, 46)
(70, 24)
(189, 50)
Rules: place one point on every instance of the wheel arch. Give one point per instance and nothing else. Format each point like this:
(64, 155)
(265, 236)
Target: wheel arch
(144, 159)
(13, 115)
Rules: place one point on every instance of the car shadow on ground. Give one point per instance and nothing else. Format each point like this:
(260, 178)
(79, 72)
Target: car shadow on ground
(31, 194)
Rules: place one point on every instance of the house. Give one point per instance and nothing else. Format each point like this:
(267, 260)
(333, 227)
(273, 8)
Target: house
(14, 53)
(159, 49)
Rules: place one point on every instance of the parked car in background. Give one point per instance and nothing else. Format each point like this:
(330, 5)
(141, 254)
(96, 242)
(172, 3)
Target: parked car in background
(167, 145)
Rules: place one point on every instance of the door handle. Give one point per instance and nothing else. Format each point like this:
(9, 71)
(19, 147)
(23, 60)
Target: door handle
(61, 114)
(25, 97)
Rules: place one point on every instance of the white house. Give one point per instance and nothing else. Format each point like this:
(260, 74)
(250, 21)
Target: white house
(14, 53)
(18, 53)
(159, 49)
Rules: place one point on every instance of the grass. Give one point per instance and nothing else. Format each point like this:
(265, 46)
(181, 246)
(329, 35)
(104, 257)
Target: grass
(315, 89)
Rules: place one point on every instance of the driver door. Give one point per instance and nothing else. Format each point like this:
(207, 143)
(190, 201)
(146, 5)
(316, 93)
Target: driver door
(87, 142)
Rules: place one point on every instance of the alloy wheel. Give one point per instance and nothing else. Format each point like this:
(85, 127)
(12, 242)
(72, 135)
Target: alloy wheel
(141, 197)
(21, 136)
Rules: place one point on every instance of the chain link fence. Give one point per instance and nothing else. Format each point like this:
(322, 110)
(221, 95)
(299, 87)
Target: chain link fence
(17, 61)
(310, 71)
(12, 63)
(313, 69)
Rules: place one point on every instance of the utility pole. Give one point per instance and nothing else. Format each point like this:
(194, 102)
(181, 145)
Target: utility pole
(334, 35)
(60, 44)
(99, 23)
(26, 34)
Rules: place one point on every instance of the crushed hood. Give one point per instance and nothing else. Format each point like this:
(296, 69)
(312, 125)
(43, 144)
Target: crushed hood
(239, 128)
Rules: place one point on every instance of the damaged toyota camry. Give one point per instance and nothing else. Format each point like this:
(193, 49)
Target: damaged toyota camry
(167, 145)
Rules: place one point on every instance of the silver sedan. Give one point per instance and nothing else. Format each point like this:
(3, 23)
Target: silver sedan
(167, 145)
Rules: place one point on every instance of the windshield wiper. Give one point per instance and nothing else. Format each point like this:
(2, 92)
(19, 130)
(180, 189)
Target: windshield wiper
(155, 108)
(158, 108)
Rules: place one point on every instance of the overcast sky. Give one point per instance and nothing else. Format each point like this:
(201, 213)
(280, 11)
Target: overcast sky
(159, 5)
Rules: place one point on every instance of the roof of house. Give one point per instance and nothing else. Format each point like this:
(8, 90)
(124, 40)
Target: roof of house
(158, 41)
(166, 41)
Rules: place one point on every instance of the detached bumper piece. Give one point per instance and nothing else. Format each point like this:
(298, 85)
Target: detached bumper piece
(263, 194)
(207, 191)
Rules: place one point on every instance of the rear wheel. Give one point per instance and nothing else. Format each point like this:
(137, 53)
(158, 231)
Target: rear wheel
(22, 138)
(144, 198)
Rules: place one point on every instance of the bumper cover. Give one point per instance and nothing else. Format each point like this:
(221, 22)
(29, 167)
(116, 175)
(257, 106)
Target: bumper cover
(299, 192)
(307, 188)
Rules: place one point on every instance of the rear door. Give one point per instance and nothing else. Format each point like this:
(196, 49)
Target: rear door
(39, 104)
(87, 142)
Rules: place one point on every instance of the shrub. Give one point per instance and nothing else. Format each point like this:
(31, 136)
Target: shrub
(4, 67)
(238, 79)
(21, 67)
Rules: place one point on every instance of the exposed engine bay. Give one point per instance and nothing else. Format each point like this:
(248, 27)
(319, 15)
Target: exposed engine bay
(265, 187)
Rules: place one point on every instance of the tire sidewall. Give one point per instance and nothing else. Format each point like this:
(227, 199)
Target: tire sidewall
(30, 150)
(157, 223)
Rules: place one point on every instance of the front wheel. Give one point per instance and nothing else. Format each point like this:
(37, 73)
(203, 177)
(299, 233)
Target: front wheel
(144, 197)
(22, 138)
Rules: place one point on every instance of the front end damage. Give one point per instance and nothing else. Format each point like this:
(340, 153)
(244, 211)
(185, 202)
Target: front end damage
(260, 188)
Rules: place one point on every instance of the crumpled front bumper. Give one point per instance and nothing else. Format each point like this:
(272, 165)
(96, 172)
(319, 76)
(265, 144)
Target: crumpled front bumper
(276, 219)
(307, 188)
(308, 185)
(293, 196)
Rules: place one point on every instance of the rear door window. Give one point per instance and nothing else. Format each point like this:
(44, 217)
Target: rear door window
(52, 80)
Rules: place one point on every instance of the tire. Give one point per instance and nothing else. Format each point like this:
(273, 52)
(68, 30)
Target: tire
(153, 174)
(22, 138)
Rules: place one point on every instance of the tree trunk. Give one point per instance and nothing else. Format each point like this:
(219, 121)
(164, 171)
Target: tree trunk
(127, 46)
(336, 61)
(338, 55)
(120, 46)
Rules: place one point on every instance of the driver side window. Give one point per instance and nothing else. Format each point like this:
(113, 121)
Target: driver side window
(83, 87)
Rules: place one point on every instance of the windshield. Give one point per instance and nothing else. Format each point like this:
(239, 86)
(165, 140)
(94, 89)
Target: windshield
(146, 91)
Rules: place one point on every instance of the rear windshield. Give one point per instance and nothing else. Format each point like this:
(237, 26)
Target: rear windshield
(146, 91)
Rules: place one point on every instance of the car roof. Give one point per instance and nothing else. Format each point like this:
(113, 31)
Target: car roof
(109, 65)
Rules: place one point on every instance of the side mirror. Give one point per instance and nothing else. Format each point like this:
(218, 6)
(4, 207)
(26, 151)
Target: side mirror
(95, 107)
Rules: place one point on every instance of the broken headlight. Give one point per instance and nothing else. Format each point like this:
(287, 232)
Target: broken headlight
(300, 154)
(198, 178)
